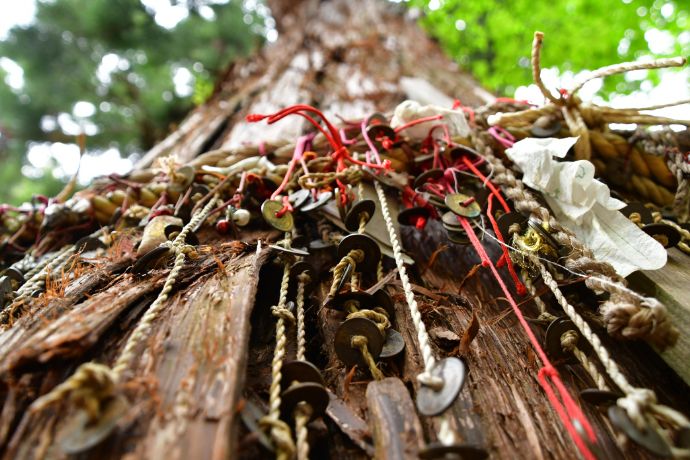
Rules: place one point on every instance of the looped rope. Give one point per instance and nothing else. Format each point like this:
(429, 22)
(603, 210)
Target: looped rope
(354, 257)
(281, 436)
(361, 342)
(283, 313)
(381, 320)
(350, 175)
(88, 386)
(97, 381)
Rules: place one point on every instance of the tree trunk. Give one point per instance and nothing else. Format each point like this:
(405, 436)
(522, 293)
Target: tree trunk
(206, 365)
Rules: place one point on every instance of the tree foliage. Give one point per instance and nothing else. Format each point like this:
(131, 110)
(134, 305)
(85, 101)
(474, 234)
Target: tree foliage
(113, 56)
(492, 38)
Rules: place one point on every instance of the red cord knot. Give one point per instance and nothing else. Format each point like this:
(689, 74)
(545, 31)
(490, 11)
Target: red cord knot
(420, 223)
(456, 104)
(387, 143)
(254, 117)
(287, 207)
(548, 371)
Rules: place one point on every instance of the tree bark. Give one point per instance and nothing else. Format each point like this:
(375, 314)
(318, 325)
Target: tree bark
(207, 362)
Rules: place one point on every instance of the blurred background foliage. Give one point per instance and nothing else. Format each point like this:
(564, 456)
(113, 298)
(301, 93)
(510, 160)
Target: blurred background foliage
(492, 39)
(113, 69)
(125, 71)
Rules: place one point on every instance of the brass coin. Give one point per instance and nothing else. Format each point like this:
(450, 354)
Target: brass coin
(343, 341)
(648, 438)
(548, 238)
(393, 344)
(269, 209)
(437, 450)
(455, 202)
(453, 372)
(81, 434)
(311, 393)
(507, 220)
(409, 216)
(671, 235)
(360, 208)
(372, 252)
(300, 372)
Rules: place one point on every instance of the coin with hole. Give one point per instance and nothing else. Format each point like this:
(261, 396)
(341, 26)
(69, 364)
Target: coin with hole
(321, 200)
(300, 371)
(663, 233)
(463, 205)
(155, 258)
(597, 397)
(362, 209)
(369, 246)
(647, 438)
(300, 198)
(554, 335)
(411, 215)
(311, 393)
(80, 433)
(453, 372)
(639, 208)
(270, 210)
(393, 344)
(172, 230)
(351, 355)
(507, 220)
(426, 176)
(359, 300)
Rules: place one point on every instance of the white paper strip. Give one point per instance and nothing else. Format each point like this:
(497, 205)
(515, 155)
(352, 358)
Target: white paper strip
(408, 111)
(585, 206)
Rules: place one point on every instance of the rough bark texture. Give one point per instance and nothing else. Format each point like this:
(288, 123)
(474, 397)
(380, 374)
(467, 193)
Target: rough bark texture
(208, 358)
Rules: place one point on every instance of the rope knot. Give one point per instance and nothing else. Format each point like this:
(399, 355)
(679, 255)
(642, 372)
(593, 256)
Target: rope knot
(569, 340)
(280, 434)
(431, 381)
(636, 403)
(283, 313)
(87, 387)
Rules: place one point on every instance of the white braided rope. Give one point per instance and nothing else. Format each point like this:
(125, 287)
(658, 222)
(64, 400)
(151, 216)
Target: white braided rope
(37, 274)
(639, 403)
(426, 377)
(143, 328)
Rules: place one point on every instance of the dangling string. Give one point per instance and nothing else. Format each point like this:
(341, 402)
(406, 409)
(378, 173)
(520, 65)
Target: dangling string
(566, 408)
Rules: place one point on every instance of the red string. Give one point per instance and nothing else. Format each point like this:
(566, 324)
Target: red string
(521, 290)
(418, 121)
(566, 408)
(486, 182)
(287, 207)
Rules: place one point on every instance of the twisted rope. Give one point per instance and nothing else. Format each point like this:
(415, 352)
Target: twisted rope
(279, 430)
(626, 313)
(352, 258)
(361, 342)
(92, 382)
(639, 403)
(302, 414)
(569, 344)
(302, 280)
(425, 377)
